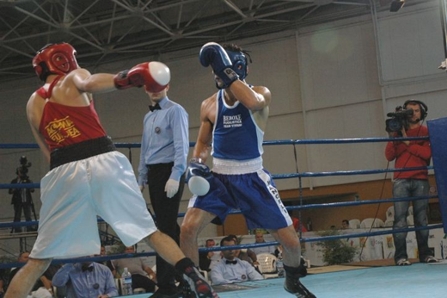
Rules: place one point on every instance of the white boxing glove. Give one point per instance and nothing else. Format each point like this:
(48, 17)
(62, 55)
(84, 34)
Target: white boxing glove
(197, 176)
(171, 187)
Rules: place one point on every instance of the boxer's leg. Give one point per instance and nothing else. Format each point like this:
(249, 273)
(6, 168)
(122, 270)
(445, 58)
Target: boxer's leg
(24, 280)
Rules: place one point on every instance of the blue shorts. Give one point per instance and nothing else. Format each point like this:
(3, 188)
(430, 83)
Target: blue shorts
(254, 194)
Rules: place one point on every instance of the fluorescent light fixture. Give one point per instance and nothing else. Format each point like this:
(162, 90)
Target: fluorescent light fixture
(396, 5)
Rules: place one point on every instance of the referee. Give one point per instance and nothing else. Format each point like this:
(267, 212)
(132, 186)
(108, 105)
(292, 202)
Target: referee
(164, 150)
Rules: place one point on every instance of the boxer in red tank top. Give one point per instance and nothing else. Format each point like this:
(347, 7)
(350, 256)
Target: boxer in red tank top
(88, 177)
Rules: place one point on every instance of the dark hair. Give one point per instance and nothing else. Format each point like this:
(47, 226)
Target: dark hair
(422, 106)
(235, 238)
(227, 239)
(235, 48)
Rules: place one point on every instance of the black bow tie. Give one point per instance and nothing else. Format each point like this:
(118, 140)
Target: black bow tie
(153, 108)
(90, 268)
(230, 262)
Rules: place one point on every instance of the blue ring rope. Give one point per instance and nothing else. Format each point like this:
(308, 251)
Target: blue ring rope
(218, 248)
(307, 206)
(278, 176)
(272, 142)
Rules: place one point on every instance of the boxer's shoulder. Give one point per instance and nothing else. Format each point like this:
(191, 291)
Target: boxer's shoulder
(262, 90)
(208, 107)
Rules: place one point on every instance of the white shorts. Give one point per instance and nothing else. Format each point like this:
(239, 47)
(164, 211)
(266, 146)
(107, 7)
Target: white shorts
(74, 194)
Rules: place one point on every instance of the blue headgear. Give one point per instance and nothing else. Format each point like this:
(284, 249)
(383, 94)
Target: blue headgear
(239, 61)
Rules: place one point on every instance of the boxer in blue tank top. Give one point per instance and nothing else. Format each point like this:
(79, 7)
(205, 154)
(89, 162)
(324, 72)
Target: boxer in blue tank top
(233, 121)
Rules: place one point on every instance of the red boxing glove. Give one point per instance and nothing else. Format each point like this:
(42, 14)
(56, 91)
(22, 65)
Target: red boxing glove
(155, 76)
(133, 77)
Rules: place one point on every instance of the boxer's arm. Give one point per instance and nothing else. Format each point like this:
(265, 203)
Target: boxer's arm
(198, 173)
(84, 81)
(137, 76)
(34, 109)
(255, 99)
(202, 147)
(155, 76)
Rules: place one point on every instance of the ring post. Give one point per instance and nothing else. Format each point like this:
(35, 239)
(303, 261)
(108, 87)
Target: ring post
(438, 142)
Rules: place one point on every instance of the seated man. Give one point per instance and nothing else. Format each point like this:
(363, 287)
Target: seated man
(231, 269)
(43, 281)
(86, 280)
(259, 238)
(142, 275)
(244, 254)
(207, 260)
(107, 263)
(3, 280)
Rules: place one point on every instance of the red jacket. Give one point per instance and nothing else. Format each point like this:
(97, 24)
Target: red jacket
(417, 154)
(296, 225)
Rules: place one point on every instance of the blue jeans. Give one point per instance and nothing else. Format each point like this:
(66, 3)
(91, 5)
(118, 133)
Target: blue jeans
(410, 188)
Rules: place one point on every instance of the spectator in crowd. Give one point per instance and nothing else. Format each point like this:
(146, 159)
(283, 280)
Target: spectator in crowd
(43, 281)
(345, 224)
(142, 275)
(296, 223)
(259, 238)
(279, 251)
(86, 280)
(232, 269)
(244, 254)
(3, 281)
(208, 259)
(107, 263)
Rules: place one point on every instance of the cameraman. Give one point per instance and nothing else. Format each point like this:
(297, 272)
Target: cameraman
(21, 198)
(409, 154)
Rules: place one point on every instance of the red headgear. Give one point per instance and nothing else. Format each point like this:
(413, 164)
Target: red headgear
(59, 58)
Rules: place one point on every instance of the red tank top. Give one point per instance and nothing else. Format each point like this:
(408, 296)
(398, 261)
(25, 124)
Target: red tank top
(63, 125)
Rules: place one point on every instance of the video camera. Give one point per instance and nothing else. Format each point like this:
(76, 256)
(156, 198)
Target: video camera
(399, 119)
(22, 170)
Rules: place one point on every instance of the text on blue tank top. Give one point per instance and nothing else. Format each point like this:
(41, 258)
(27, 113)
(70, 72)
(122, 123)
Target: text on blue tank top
(235, 134)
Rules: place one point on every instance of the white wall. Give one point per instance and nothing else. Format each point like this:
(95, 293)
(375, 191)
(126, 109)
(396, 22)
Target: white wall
(336, 80)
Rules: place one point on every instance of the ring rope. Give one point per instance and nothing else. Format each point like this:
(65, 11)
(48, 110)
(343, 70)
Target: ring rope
(277, 176)
(308, 206)
(271, 142)
(218, 248)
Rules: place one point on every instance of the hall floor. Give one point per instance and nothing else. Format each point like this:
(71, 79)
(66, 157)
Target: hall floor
(361, 280)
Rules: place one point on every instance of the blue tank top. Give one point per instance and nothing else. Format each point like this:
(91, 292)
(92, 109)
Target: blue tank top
(236, 135)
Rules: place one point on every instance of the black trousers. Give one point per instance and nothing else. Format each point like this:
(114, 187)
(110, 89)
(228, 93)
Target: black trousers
(18, 211)
(18, 207)
(140, 281)
(166, 214)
